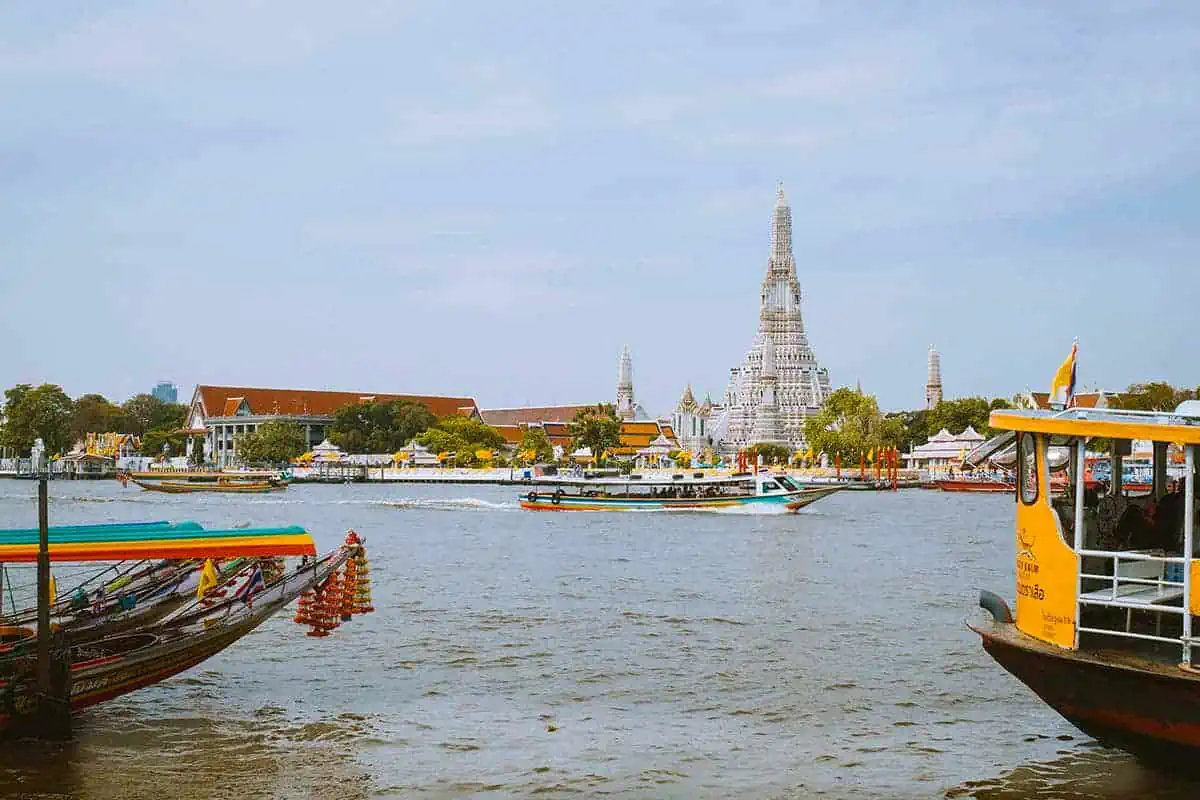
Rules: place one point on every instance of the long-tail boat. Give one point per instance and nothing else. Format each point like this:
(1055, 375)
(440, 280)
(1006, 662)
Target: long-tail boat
(985, 485)
(119, 654)
(635, 493)
(110, 667)
(1107, 587)
(222, 486)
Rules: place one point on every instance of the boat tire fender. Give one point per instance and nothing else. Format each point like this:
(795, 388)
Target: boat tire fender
(532, 497)
(994, 604)
(557, 498)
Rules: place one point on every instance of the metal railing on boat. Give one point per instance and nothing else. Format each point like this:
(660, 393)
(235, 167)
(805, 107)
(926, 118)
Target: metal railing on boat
(1134, 588)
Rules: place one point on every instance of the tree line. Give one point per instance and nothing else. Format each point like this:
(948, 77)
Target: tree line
(48, 413)
(387, 426)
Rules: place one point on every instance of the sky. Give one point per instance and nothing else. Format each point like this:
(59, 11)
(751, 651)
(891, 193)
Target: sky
(491, 199)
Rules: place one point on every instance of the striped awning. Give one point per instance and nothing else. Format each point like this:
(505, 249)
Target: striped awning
(124, 541)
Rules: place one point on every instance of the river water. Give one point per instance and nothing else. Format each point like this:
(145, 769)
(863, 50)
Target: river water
(649, 654)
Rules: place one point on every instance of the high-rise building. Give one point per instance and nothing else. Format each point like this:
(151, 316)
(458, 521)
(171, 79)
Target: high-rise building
(933, 379)
(166, 392)
(795, 385)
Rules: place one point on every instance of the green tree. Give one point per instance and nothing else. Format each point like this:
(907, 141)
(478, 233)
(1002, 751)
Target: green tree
(914, 426)
(462, 436)
(475, 433)
(274, 442)
(771, 453)
(13, 429)
(152, 442)
(536, 440)
(440, 441)
(1153, 396)
(379, 427)
(145, 412)
(197, 451)
(94, 413)
(597, 428)
(956, 415)
(849, 425)
(42, 413)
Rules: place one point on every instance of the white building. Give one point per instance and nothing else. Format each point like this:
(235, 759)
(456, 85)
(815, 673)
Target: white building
(691, 422)
(944, 449)
(801, 384)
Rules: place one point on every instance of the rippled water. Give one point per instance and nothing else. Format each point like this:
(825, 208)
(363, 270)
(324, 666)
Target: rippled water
(652, 654)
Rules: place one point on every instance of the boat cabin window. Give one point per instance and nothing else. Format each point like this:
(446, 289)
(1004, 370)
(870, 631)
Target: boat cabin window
(770, 486)
(787, 483)
(1027, 465)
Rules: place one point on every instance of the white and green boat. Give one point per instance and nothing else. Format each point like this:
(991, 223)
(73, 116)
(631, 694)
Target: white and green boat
(674, 492)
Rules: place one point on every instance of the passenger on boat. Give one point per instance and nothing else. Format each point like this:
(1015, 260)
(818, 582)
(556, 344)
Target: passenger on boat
(1169, 517)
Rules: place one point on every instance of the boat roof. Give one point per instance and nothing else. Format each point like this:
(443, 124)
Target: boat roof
(1181, 426)
(126, 541)
(638, 480)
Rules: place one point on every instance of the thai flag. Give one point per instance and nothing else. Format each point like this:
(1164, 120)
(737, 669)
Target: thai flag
(251, 586)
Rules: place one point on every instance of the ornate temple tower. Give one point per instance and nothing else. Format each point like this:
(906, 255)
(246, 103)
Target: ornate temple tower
(801, 385)
(625, 407)
(933, 379)
(691, 422)
(767, 429)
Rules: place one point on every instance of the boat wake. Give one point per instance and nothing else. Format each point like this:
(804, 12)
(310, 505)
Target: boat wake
(758, 510)
(446, 504)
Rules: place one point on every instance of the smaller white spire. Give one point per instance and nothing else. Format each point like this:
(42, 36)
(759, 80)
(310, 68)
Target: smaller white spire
(625, 368)
(780, 197)
(768, 356)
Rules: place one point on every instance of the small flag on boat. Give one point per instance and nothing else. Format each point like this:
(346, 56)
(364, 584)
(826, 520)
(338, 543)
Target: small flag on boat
(208, 580)
(256, 582)
(1062, 390)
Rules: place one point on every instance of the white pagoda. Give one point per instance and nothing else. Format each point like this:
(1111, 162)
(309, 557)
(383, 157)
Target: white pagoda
(800, 386)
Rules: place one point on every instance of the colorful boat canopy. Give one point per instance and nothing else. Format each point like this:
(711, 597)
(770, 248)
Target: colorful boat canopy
(119, 542)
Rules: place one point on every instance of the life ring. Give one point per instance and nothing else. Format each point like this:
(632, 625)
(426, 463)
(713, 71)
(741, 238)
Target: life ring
(531, 497)
(557, 496)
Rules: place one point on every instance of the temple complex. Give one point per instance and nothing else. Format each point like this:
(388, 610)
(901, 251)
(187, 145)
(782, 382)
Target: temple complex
(779, 379)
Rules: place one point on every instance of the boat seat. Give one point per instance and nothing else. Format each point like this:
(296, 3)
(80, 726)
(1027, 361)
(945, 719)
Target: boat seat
(1132, 596)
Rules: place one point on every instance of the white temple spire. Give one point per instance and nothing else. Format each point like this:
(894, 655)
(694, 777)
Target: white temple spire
(625, 409)
(933, 379)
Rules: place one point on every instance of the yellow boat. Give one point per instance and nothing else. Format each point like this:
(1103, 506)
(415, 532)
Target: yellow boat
(1106, 584)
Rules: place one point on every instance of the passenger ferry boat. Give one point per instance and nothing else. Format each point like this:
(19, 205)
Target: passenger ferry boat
(640, 493)
(1106, 586)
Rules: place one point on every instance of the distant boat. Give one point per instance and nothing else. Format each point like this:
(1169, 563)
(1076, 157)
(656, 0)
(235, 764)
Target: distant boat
(677, 492)
(223, 486)
(976, 485)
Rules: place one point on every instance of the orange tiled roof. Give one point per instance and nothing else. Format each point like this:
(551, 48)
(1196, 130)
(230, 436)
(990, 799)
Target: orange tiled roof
(636, 435)
(1086, 400)
(224, 401)
(530, 415)
(511, 433)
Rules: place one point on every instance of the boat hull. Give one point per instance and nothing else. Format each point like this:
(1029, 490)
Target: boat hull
(1145, 708)
(219, 488)
(977, 486)
(791, 501)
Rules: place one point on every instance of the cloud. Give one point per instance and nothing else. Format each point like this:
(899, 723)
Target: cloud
(501, 116)
(144, 39)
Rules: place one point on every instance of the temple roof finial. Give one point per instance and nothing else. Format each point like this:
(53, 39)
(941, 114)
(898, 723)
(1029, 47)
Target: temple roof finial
(780, 197)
